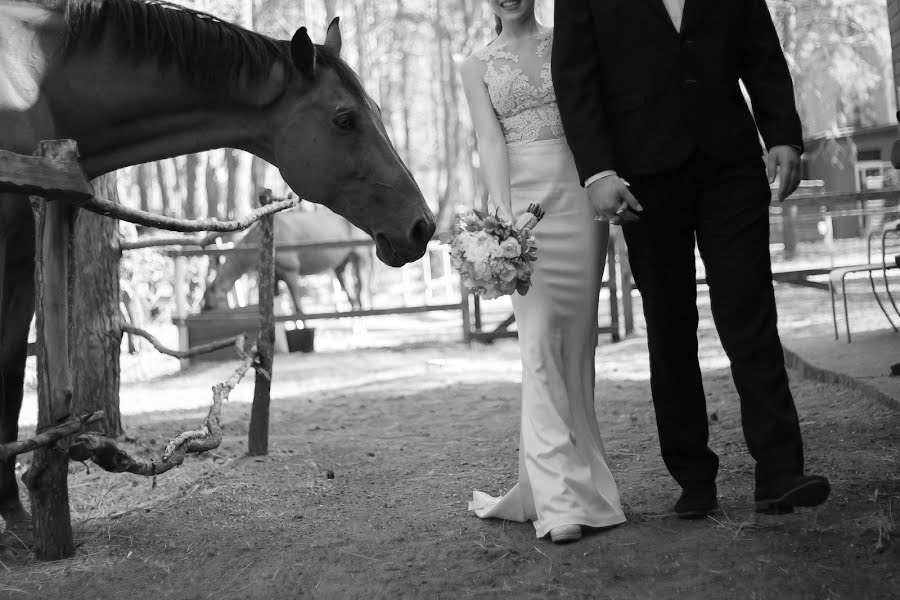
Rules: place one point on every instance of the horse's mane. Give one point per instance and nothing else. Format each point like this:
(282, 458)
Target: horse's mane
(205, 48)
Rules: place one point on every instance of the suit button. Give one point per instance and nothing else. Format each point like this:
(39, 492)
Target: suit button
(689, 43)
(690, 81)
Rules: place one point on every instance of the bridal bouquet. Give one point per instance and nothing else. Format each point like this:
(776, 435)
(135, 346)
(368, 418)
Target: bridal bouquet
(492, 256)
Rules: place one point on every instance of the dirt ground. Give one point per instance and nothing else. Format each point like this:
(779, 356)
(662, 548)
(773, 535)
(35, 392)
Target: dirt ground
(374, 454)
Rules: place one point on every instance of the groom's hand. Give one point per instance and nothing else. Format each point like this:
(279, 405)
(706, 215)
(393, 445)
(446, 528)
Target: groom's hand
(785, 162)
(611, 199)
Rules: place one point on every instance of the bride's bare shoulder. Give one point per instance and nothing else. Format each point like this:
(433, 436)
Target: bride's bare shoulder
(474, 64)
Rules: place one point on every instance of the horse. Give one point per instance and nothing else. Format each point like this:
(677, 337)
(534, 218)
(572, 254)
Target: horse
(133, 81)
(298, 227)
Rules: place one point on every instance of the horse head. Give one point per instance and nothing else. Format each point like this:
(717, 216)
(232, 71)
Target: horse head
(332, 148)
(225, 275)
(213, 297)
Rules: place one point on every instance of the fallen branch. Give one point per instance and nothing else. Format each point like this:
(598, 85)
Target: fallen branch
(106, 454)
(49, 437)
(146, 219)
(189, 353)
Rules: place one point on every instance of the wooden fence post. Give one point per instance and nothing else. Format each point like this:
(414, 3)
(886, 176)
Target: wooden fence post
(47, 477)
(625, 270)
(181, 307)
(789, 229)
(613, 285)
(466, 315)
(258, 439)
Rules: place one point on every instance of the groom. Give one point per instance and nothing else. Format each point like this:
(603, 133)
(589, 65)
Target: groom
(648, 91)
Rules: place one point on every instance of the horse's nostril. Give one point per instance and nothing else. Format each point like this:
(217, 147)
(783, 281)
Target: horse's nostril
(422, 231)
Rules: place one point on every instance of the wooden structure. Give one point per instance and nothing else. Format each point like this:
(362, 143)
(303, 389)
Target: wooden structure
(46, 479)
(181, 319)
(619, 283)
(62, 189)
(805, 211)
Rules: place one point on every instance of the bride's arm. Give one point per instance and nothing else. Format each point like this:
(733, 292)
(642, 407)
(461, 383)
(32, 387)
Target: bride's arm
(492, 152)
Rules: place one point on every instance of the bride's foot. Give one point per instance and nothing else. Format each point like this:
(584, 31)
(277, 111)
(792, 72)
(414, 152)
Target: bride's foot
(565, 533)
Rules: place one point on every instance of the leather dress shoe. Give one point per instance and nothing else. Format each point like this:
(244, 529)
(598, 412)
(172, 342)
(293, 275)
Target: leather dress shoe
(697, 503)
(782, 496)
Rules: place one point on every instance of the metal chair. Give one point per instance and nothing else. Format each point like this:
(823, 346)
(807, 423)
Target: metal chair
(838, 276)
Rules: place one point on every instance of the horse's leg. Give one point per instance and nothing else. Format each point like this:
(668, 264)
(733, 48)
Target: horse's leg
(293, 286)
(17, 310)
(340, 273)
(364, 272)
(354, 260)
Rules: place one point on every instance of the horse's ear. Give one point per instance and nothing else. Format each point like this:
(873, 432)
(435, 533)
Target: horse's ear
(303, 53)
(333, 37)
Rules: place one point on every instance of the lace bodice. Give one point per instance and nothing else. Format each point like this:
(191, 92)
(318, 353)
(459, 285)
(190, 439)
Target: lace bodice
(521, 90)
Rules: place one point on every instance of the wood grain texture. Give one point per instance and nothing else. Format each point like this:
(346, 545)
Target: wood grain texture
(44, 176)
(47, 478)
(258, 436)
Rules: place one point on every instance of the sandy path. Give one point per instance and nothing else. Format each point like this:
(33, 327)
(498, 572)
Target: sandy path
(407, 434)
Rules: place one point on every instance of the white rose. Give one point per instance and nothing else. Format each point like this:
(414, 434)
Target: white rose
(510, 248)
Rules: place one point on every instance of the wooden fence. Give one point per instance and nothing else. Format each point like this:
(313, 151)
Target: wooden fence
(469, 306)
(61, 189)
(800, 214)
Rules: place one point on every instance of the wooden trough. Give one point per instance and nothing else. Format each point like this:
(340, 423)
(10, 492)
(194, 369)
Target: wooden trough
(211, 325)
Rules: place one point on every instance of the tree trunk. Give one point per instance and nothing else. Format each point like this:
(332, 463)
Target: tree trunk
(446, 100)
(405, 101)
(330, 10)
(165, 176)
(214, 207)
(361, 29)
(142, 180)
(258, 438)
(96, 316)
(258, 169)
(195, 185)
(243, 184)
(231, 170)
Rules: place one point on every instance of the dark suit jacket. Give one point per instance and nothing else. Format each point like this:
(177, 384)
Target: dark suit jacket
(638, 97)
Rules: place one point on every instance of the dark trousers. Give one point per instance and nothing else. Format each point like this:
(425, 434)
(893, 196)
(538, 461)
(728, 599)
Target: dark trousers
(724, 207)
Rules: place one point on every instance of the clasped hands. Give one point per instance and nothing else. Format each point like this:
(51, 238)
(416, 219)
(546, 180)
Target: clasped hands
(614, 203)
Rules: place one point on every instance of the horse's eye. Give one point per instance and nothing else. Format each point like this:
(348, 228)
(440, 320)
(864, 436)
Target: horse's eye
(344, 121)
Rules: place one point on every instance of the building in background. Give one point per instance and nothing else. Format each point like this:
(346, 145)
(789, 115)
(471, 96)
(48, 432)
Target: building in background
(851, 159)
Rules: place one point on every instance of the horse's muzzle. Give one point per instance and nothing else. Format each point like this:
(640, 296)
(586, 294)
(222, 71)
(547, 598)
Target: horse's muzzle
(395, 255)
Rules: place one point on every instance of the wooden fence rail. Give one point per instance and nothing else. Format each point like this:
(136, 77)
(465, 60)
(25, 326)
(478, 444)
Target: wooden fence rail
(618, 282)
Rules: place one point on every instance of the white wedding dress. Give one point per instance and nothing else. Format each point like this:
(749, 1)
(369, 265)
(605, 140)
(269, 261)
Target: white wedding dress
(563, 475)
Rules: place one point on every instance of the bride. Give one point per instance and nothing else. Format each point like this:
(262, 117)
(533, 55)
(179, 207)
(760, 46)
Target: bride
(564, 481)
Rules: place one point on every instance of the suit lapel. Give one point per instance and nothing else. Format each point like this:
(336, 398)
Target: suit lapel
(659, 8)
(692, 13)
